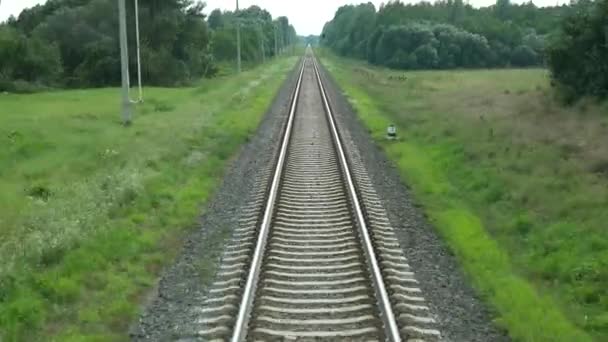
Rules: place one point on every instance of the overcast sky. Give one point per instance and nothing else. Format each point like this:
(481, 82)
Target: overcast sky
(308, 16)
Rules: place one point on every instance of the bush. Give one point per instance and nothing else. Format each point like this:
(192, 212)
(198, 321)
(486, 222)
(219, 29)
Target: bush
(578, 54)
(409, 35)
(27, 62)
(77, 42)
(524, 56)
(420, 45)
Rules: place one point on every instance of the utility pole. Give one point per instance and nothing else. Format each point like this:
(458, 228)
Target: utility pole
(141, 92)
(124, 63)
(287, 44)
(238, 39)
(282, 42)
(276, 42)
(262, 42)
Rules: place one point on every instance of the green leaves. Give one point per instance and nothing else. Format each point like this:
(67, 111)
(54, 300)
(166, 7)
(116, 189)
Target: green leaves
(74, 43)
(578, 54)
(446, 34)
(258, 34)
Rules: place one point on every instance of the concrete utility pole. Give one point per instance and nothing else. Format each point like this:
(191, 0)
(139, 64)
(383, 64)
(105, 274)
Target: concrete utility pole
(276, 41)
(141, 92)
(238, 39)
(262, 42)
(124, 63)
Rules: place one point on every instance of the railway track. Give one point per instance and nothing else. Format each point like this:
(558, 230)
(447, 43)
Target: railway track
(315, 257)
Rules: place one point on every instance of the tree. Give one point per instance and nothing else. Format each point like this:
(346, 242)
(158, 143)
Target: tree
(426, 56)
(578, 53)
(26, 61)
(466, 36)
(257, 34)
(215, 20)
(81, 36)
(503, 9)
(457, 12)
(524, 55)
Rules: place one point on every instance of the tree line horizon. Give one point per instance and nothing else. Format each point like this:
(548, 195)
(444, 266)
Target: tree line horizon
(74, 43)
(570, 39)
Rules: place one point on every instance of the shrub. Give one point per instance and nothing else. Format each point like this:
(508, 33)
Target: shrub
(578, 54)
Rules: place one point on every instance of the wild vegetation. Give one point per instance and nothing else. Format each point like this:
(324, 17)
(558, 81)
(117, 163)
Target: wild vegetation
(578, 53)
(74, 43)
(570, 39)
(444, 34)
(258, 37)
(90, 211)
(313, 40)
(515, 183)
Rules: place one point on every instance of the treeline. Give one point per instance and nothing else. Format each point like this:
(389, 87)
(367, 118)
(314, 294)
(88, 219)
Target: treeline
(261, 36)
(572, 40)
(578, 52)
(74, 43)
(312, 40)
(444, 34)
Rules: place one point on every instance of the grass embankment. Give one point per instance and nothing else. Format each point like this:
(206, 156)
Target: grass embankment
(90, 211)
(515, 183)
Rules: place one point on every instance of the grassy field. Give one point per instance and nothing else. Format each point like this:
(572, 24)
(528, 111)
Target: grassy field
(90, 211)
(515, 183)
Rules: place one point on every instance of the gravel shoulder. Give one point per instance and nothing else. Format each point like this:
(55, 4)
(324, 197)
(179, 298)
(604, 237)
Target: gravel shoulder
(183, 285)
(462, 316)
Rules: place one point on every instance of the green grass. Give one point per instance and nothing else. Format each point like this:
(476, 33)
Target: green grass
(90, 211)
(515, 183)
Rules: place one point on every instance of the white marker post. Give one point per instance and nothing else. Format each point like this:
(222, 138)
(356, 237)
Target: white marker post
(391, 132)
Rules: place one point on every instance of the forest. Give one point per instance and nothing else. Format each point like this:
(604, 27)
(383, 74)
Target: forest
(74, 43)
(571, 40)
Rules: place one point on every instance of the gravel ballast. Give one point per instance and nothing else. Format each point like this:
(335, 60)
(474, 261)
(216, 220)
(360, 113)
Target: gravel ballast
(182, 285)
(461, 314)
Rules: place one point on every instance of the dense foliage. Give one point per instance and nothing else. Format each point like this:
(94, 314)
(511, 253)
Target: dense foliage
(445, 34)
(261, 36)
(24, 60)
(578, 53)
(572, 40)
(74, 43)
(312, 40)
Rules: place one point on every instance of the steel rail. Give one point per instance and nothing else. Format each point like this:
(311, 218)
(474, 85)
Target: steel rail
(390, 324)
(240, 327)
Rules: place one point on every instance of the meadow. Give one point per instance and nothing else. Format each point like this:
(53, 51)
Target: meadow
(90, 210)
(514, 181)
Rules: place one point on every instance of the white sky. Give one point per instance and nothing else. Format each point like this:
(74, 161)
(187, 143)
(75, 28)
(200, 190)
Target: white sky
(308, 16)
